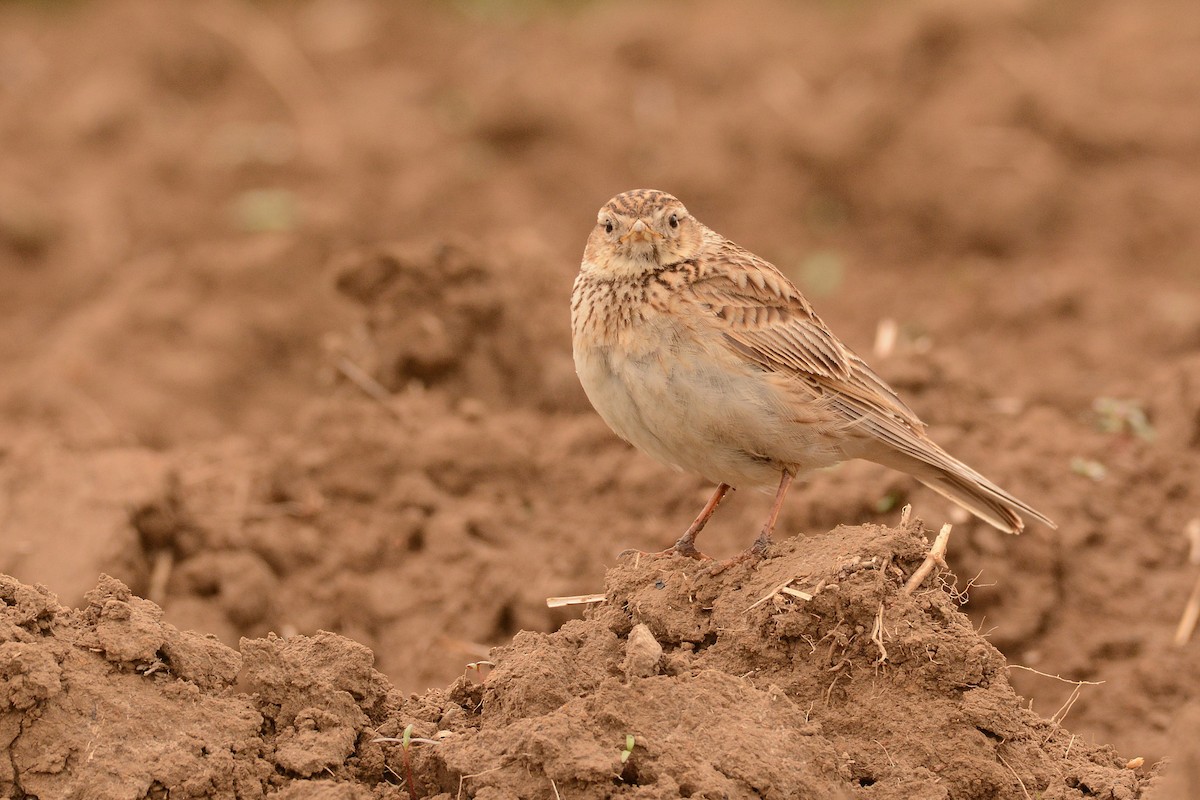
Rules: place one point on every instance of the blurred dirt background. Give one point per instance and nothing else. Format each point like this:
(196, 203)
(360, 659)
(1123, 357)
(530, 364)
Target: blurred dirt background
(284, 335)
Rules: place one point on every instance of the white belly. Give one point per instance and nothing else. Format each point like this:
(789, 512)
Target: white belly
(684, 408)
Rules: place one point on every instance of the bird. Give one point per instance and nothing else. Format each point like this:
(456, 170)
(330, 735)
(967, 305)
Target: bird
(707, 358)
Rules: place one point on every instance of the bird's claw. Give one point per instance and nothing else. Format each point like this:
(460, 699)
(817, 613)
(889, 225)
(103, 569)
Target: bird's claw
(756, 552)
(685, 550)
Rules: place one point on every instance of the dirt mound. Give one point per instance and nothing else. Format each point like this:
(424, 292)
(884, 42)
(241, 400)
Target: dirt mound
(811, 674)
(110, 702)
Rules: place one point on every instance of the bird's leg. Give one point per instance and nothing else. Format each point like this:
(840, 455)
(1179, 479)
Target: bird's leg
(686, 546)
(759, 548)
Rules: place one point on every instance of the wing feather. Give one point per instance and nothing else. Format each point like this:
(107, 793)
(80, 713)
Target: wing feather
(763, 317)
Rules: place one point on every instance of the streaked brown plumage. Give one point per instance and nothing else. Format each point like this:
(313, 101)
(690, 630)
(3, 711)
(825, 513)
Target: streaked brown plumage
(708, 358)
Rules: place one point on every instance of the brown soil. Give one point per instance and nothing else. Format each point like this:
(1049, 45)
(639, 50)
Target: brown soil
(680, 684)
(210, 220)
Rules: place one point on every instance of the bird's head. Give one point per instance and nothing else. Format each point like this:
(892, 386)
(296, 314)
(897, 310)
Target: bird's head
(640, 230)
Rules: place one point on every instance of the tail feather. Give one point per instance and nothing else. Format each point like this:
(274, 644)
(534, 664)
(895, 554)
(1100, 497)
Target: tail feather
(959, 483)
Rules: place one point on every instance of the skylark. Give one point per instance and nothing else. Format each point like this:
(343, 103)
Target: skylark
(706, 357)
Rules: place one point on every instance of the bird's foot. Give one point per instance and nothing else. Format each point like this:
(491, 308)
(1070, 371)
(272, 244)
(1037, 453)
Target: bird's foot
(756, 552)
(685, 547)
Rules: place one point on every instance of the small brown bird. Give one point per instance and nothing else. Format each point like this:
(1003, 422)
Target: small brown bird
(704, 356)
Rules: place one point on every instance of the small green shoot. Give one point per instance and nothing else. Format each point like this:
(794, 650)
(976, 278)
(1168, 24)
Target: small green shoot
(886, 503)
(406, 741)
(1123, 416)
(1089, 468)
(628, 751)
(627, 772)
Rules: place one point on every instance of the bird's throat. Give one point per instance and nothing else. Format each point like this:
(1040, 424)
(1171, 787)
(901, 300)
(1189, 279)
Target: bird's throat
(631, 263)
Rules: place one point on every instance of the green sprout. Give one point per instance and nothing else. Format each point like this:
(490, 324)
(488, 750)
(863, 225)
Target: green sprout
(406, 741)
(1088, 468)
(628, 751)
(886, 503)
(1123, 416)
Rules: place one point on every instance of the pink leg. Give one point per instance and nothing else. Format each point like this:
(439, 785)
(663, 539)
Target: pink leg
(759, 548)
(686, 546)
(764, 538)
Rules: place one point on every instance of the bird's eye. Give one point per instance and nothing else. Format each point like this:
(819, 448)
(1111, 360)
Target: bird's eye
(673, 221)
(608, 226)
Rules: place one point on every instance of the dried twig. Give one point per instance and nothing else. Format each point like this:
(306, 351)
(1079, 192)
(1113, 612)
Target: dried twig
(371, 387)
(936, 557)
(877, 636)
(776, 590)
(1060, 715)
(463, 778)
(1024, 791)
(1055, 677)
(829, 691)
(905, 515)
(160, 575)
(885, 751)
(885, 337)
(1191, 611)
(1191, 532)
(1063, 710)
(574, 600)
(786, 588)
(1191, 615)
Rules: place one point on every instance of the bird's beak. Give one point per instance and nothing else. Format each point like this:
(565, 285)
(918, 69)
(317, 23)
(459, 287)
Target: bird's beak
(640, 232)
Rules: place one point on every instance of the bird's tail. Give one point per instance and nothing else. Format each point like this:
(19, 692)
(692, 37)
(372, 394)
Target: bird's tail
(954, 480)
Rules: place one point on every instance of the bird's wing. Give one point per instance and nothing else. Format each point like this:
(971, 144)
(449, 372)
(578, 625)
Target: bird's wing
(763, 317)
